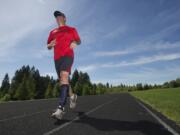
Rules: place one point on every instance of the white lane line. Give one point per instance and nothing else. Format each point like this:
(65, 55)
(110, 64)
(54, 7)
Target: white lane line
(22, 116)
(158, 119)
(25, 101)
(77, 118)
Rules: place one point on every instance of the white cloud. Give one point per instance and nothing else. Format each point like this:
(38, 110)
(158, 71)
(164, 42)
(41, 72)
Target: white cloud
(114, 53)
(150, 43)
(145, 60)
(141, 47)
(144, 75)
(18, 21)
(86, 34)
(42, 53)
(8, 44)
(90, 33)
(88, 68)
(166, 32)
(53, 74)
(0, 81)
(42, 1)
(136, 62)
(116, 32)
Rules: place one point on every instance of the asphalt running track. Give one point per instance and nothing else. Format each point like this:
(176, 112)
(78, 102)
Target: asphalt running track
(113, 114)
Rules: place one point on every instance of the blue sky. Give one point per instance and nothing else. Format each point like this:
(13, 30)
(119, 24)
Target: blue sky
(123, 41)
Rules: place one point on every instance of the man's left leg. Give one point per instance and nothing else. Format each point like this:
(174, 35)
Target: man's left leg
(64, 88)
(70, 89)
(72, 97)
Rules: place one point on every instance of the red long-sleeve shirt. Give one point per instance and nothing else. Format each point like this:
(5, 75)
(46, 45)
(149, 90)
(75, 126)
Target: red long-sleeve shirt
(64, 35)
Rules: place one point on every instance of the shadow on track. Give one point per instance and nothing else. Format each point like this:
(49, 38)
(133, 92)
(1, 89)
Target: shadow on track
(144, 126)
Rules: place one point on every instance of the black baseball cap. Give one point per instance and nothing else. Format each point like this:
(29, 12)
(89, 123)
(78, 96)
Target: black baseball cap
(58, 13)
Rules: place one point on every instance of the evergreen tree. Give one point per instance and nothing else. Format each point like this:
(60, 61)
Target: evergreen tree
(22, 91)
(107, 85)
(38, 84)
(146, 87)
(75, 78)
(86, 89)
(48, 93)
(6, 97)
(139, 86)
(30, 84)
(165, 85)
(178, 82)
(85, 78)
(56, 90)
(173, 84)
(100, 89)
(5, 85)
(17, 80)
(94, 87)
(78, 88)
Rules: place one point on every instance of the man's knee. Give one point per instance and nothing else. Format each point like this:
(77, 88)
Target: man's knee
(64, 77)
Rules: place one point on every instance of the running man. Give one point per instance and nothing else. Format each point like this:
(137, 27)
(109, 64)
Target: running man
(63, 39)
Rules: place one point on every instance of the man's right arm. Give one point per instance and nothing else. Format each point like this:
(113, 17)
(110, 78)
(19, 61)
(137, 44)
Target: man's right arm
(51, 44)
(50, 41)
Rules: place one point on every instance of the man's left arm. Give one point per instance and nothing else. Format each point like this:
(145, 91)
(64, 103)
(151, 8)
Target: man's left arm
(76, 39)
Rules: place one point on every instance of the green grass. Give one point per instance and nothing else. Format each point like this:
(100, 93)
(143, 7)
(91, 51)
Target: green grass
(166, 101)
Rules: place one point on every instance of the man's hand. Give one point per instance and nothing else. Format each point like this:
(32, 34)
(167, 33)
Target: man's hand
(52, 44)
(73, 45)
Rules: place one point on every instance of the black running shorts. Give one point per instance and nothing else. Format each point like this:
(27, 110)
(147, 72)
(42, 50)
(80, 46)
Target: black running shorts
(64, 63)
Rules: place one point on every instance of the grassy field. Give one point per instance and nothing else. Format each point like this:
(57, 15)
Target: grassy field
(166, 101)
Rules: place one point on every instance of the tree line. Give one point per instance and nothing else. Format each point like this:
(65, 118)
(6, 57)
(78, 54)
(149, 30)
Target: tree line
(27, 83)
(139, 86)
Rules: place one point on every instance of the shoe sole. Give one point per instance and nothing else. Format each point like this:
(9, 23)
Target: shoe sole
(54, 116)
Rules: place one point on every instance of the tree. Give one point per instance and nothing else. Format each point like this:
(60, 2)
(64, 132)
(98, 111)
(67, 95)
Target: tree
(139, 86)
(12, 90)
(178, 82)
(39, 86)
(100, 89)
(165, 85)
(85, 78)
(56, 90)
(22, 91)
(146, 87)
(5, 85)
(31, 87)
(6, 97)
(173, 84)
(78, 88)
(93, 89)
(86, 89)
(107, 85)
(16, 81)
(48, 93)
(75, 78)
